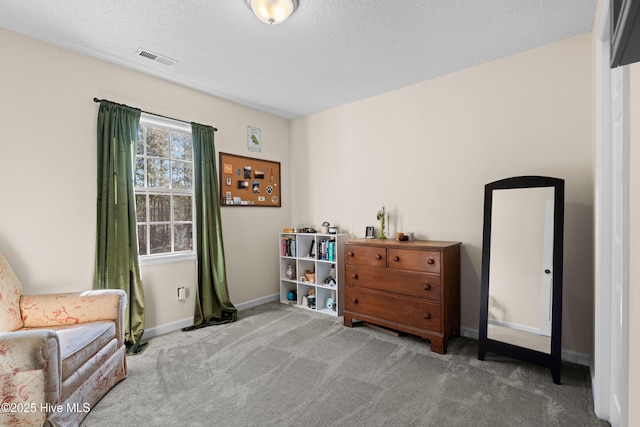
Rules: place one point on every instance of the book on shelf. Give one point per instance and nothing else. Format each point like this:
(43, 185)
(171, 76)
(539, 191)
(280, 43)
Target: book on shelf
(327, 249)
(289, 246)
(331, 247)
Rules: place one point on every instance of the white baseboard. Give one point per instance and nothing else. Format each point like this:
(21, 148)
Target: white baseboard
(167, 327)
(188, 321)
(257, 302)
(583, 359)
(469, 333)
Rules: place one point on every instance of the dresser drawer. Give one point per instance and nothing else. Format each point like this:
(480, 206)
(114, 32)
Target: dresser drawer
(407, 259)
(366, 255)
(407, 283)
(394, 309)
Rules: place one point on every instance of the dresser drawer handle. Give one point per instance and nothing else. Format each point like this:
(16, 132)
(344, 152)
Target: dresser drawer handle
(378, 256)
(431, 261)
(350, 254)
(396, 258)
(427, 316)
(354, 275)
(427, 287)
(354, 300)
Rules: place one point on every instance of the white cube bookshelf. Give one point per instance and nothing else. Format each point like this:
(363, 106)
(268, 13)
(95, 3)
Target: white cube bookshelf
(314, 253)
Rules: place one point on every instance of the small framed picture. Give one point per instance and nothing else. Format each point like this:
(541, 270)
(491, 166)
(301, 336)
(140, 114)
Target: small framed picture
(369, 233)
(253, 139)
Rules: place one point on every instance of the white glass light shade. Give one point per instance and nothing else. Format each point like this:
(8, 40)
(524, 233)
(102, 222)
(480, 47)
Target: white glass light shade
(273, 11)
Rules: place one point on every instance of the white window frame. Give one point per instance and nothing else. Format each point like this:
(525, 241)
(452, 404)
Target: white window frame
(151, 259)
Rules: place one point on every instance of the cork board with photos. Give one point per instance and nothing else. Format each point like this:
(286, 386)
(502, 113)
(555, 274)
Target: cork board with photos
(247, 181)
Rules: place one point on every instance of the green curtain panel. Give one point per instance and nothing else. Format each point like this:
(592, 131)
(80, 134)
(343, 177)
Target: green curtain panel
(212, 297)
(117, 264)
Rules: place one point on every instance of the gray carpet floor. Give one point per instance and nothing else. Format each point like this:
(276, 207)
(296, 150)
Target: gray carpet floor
(283, 366)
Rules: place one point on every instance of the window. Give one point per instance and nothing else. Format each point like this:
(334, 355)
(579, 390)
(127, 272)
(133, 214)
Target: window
(164, 187)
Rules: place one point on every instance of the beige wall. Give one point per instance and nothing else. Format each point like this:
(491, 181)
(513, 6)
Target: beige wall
(48, 174)
(426, 152)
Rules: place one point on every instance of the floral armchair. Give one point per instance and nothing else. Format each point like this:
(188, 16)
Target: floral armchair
(59, 353)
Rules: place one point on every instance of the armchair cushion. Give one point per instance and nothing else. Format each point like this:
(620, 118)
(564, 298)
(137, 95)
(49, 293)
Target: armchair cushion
(10, 291)
(79, 343)
(82, 348)
(70, 308)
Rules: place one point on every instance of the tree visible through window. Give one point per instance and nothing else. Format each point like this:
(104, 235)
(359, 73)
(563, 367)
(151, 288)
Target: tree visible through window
(164, 187)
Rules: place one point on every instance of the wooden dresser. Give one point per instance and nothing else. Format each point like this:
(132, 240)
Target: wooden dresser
(412, 287)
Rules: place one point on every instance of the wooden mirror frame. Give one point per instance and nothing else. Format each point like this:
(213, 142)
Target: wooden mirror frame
(549, 360)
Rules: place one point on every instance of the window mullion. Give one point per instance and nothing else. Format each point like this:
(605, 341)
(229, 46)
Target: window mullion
(148, 222)
(172, 227)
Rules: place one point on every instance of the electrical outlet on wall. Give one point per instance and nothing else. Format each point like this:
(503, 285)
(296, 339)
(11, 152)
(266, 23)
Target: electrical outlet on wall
(182, 293)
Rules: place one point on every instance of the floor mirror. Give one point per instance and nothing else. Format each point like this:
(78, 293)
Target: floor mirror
(521, 282)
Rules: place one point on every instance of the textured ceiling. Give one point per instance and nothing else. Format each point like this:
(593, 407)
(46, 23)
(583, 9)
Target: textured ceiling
(329, 53)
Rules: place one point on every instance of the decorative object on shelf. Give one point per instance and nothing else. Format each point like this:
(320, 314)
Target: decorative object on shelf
(311, 298)
(312, 249)
(333, 230)
(292, 295)
(253, 139)
(331, 278)
(272, 12)
(401, 237)
(310, 276)
(331, 304)
(370, 231)
(290, 272)
(382, 217)
(324, 228)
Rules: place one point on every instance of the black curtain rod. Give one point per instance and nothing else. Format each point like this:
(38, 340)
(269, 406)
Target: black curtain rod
(158, 115)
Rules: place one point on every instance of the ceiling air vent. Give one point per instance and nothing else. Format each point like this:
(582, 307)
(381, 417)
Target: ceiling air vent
(155, 57)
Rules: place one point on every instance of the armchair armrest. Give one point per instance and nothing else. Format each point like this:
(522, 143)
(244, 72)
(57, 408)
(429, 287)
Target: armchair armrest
(29, 372)
(73, 308)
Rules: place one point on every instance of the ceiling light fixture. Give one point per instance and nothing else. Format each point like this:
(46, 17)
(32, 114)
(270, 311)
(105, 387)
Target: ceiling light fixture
(272, 11)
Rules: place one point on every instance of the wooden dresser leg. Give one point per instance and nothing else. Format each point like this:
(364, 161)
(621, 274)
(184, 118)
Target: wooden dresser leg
(348, 321)
(438, 345)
